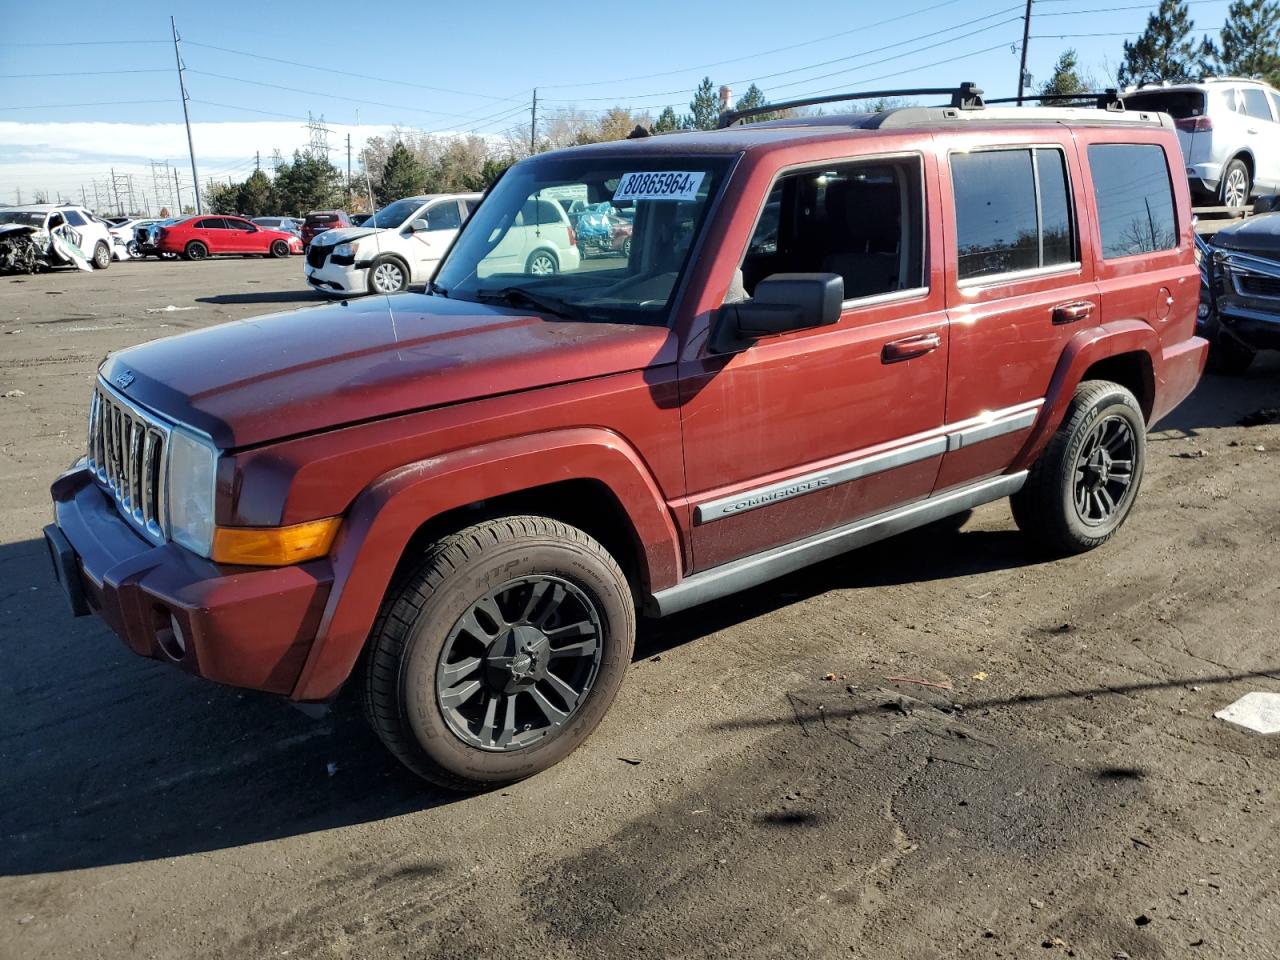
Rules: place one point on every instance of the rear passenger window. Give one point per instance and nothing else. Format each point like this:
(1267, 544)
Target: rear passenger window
(1135, 198)
(862, 220)
(1255, 103)
(1013, 211)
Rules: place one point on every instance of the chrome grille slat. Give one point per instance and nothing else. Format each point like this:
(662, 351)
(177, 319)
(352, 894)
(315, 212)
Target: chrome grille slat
(128, 453)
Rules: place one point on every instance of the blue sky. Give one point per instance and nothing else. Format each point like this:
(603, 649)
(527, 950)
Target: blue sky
(468, 66)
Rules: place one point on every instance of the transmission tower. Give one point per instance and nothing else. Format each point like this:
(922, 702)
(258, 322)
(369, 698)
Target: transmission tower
(319, 136)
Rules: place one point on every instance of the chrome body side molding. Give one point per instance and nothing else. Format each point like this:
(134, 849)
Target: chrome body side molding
(953, 436)
(758, 568)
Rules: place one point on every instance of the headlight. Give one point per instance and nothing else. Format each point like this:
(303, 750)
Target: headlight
(192, 475)
(345, 250)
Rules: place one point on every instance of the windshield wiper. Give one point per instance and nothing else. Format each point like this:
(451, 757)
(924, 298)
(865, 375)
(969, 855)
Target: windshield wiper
(520, 297)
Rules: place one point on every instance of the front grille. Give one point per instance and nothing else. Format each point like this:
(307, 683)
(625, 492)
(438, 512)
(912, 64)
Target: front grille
(316, 255)
(128, 456)
(1255, 285)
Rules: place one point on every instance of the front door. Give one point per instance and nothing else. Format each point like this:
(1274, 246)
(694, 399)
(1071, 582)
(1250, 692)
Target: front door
(443, 221)
(808, 430)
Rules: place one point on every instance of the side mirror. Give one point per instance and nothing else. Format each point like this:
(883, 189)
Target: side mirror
(419, 226)
(782, 302)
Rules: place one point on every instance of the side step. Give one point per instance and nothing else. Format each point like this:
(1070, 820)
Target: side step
(761, 567)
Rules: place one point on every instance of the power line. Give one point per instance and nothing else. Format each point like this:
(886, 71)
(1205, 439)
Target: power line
(348, 73)
(80, 43)
(79, 73)
(96, 103)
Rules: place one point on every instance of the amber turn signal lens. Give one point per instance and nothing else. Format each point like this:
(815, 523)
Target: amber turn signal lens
(274, 546)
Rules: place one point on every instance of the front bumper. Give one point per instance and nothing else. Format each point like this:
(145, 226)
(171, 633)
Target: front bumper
(1258, 329)
(335, 279)
(243, 626)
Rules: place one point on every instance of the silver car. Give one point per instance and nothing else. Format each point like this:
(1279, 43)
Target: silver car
(1229, 128)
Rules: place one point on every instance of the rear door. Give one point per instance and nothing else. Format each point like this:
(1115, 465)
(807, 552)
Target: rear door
(1020, 284)
(1264, 137)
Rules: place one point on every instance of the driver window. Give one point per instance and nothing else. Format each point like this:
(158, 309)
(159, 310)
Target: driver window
(444, 216)
(861, 220)
(56, 220)
(75, 219)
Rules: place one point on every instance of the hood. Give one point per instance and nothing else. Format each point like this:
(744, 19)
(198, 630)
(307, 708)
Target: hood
(14, 229)
(252, 381)
(1258, 235)
(345, 234)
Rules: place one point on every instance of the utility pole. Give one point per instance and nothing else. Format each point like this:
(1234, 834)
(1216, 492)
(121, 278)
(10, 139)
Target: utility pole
(257, 160)
(186, 117)
(533, 122)
(84, 198)
(177, 188)
(1026, 36)
(348, 164)
(18, 193)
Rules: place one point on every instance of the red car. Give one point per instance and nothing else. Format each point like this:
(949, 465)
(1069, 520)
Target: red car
(830, 330)
(318, 221)
(198, 237)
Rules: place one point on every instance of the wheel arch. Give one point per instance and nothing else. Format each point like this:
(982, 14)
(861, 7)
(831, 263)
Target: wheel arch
(1123, 352)
(587, 477)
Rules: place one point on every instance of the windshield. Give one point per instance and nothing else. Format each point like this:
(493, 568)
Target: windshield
(394, 214)
(26, 217)
(591, 238)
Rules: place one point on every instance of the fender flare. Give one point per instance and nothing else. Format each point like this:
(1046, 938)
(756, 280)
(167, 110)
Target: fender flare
(1081, 352)
(388, 512)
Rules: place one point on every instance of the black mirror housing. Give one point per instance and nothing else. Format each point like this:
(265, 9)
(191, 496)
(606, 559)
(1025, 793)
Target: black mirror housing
(781, 303)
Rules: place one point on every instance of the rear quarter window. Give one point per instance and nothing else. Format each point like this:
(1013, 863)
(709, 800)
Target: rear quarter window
(1135, 198)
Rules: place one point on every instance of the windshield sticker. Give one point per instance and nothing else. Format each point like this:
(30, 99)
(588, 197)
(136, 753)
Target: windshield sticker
(659, 185)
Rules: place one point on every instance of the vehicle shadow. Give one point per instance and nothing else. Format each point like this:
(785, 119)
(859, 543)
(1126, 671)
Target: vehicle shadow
(268, 296)
(1221, 401)
(109, 758)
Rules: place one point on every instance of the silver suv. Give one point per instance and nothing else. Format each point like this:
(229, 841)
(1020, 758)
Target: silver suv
(1229, 129)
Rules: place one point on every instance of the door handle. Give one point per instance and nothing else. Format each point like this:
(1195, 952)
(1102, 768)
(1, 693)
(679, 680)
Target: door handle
(908, 347)
(1072, 312)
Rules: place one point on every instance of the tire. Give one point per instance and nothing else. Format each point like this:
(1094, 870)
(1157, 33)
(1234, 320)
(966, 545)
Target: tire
(436, 617)
(1228, 356)
(542, 263)
(133, 250)
(195, 250)
(1236, 184)
(101, 256)
(1103, 423)
(387, 275)
(279, 249)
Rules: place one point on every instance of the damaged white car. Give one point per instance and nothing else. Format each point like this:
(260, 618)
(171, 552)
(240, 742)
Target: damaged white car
(44, 236)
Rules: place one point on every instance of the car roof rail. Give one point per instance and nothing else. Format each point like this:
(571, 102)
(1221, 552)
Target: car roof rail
(1108, 99)
(967, 96)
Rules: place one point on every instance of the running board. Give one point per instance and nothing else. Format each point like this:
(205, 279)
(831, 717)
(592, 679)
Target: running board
(759, 568)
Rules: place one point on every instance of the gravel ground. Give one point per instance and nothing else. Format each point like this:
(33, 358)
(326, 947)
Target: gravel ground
(760, 789)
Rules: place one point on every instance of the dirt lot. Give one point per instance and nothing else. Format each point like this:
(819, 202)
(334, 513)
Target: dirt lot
(1073, 796)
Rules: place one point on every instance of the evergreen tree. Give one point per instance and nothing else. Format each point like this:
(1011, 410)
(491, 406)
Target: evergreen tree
(704, 108)
(221, 197)
(667, 121)
(1250, 42)
(403, 175)
(1066, 78)
(307, 183)
(256, 196)
(1165, 50)
(754, 97)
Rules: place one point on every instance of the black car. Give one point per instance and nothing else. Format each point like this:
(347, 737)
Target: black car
(1241, 313)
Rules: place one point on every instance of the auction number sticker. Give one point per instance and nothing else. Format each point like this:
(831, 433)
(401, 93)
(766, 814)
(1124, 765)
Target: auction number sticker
(659, 185)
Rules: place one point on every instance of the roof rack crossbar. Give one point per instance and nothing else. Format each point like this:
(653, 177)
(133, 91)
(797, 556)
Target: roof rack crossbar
(967, 96)
(1108, 99)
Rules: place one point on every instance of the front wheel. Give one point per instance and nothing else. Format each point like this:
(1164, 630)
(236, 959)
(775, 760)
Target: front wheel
(101, 256)
(387, 275)
(1083, 486)
(499, 653)
(279, 249)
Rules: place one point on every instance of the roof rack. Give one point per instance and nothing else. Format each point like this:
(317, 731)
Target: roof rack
(1108, 99)
(967, 96)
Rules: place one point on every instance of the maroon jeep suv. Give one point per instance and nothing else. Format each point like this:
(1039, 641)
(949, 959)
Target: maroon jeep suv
(827, 330)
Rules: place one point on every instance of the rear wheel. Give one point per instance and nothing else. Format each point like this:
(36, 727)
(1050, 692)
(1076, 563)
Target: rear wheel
(1084, 485)
(387, 275)
(499, 652)
(1236, 184)
(542, 263)
(279, 249)
(195, 250)
(101, 256)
